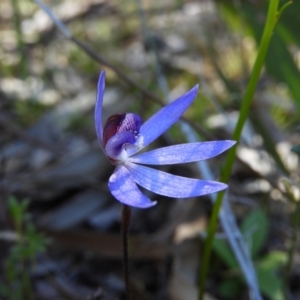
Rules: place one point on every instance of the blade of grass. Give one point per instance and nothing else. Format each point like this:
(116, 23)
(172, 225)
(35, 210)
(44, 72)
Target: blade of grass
(247, 100)
(227, 218)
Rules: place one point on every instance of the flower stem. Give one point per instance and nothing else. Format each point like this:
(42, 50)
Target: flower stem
(271, 20)
(126, 214)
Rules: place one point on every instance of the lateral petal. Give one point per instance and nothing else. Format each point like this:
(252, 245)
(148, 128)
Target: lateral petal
(124, 189)
(98, 108)
(170, 185)
(166, 117)
(183, 153)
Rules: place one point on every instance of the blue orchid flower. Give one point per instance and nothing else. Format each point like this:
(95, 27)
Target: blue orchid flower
(124, 135)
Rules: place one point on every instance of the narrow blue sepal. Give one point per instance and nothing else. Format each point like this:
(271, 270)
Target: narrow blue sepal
(165, 184)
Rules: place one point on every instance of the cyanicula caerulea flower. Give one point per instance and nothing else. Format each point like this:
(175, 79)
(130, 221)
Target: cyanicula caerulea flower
(124, 135)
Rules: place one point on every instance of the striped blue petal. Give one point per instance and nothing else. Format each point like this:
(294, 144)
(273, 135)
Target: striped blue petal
(170, 185)
(123, 188)
(183, 153)
(166, 117)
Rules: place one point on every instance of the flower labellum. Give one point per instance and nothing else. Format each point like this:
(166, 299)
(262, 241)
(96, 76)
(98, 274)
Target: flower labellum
(124, 135)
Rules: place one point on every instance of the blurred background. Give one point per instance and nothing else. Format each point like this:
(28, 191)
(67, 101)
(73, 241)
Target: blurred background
(59, 225)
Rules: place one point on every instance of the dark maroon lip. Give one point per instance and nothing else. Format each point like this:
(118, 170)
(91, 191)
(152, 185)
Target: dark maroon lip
(120, 123)
(112, 126)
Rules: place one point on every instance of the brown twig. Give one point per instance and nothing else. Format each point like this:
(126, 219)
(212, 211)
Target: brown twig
(100, 59)
(133, 83)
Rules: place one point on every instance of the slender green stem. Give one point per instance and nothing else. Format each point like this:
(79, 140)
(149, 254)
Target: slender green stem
(21, 45)
(26, 284)
(126, 214)
(246, 103)
(283, 8)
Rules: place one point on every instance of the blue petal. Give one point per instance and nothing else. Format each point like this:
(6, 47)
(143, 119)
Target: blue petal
(182, 153)
(124, 189)
(98, 108)
(166, 117)
(170, 185)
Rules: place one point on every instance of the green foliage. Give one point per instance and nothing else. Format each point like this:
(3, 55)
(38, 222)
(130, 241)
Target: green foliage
(279, 62)
(29, 111)
(255, 230)
(22, 255)
(224, 252)
(18, 211)
(77, 122)
(263, 35)
(270, 282)
(296, 149)
(229, 288)
(80, 60)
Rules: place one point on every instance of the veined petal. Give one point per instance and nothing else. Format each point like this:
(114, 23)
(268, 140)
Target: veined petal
(98, 108)
(183, 153)
(166, 117)
(124, 189)
(170, 185)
